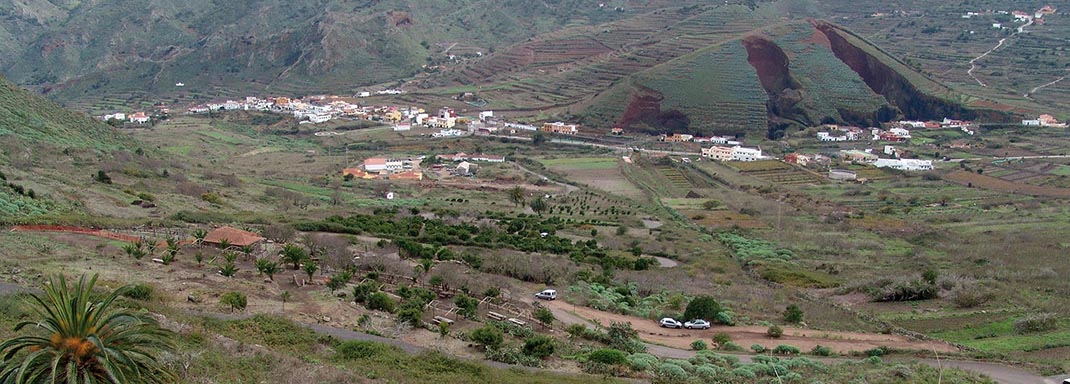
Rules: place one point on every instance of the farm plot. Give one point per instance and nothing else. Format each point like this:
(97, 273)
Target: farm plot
(997, 184)
(723, 219)
(602, 173)
(776, 172)
(675, 177)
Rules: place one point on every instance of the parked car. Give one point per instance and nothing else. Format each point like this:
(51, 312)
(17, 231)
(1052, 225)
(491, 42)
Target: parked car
(669, 322)
(697, 324)
(1067, 381)
(547, 294)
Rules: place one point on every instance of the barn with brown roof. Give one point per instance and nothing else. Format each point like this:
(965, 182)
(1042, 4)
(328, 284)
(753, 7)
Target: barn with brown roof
(233, 236)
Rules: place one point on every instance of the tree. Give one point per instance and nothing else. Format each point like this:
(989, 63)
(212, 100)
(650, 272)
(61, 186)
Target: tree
(228, 270)
(236, 301)
(702, 307)
(247, 250)
(379, 301)
(443, 329)
(544, 316)
(538, 205)
(538, 139)
(224, 243)
(102, 177)
(270, 269)
(199, 235)
(85, 339)
(284, 296)
(489, 336)
(310, 268)
(293, 254)
(793, 314)
(516, 195)
(467, 306)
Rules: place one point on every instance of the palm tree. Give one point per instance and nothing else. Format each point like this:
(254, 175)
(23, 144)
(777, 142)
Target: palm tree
(538, 205)
(310, 268)
(516, 195)
(199, 235)
(293, 254)
(85, 340)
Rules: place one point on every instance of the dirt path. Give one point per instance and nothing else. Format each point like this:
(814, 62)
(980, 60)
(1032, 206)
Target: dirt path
(804, 339)
(973, 63)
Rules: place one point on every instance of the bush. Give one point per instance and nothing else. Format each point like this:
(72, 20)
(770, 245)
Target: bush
(358, 349)
(139, 292)
(698, 345)
(670, 373)
(702, 307)
(876, 352)
(785, 350)
(793, 314)
(721, 338)
(379, 301)
(731, 347)
(576, 330)
(539, 346)
(1036, 323)
(970, 297)
(640, 362)
(774, 331)
(234, 300)
(608, 356)
(820, 350)
(488, 336)
(757, 348)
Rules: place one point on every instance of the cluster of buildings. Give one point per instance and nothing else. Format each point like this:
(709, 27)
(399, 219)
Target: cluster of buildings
(1048, 121)
(135, 118)
(461, 156)
(1018, 16)
(867, 157)
(685, 138)
(313, 109)
(734, 153)
(402, 168)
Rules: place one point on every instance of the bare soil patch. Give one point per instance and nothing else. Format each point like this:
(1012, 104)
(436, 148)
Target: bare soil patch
(997, 184)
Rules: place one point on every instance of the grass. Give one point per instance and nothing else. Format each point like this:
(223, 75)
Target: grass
(581, 163)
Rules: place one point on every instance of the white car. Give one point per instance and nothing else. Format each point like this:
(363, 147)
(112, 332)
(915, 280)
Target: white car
(697, 324)
(547, 294)
(669, 322)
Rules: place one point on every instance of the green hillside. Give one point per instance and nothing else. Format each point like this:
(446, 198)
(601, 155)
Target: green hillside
(35, 120)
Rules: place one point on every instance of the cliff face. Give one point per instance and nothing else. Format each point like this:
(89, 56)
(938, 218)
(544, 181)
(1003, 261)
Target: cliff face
(785, 93)
(889, 83)
(644, 108)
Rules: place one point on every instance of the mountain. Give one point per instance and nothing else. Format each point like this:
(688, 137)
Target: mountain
(131, 47)
(32, 120)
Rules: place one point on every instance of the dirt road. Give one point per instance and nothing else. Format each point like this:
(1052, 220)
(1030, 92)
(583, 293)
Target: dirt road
(804, 339)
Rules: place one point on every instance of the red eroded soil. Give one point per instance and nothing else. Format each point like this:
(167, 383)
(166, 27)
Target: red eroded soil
(804, 339)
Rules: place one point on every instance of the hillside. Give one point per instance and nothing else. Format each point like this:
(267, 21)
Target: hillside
(33, 120)
(136, 47)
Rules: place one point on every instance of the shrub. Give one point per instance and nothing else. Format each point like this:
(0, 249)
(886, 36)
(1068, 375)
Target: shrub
(785, 350)
(576, 330)
(879, 351)
(970, 297)
(234, 300)
(820, 350)
(670, 373)
(139, 292)
(698, 345)
(744, 373)
(1036, 323)
(379, 301)
(640, 362)
(774, 331)
(539, 346)
(702, 307)
(793, 314)
(488, 336)
(359, 349)
(757, 348)
(608, 356)
(731, 347)
(724, 317)
(709, 373)
(721, 338)
(363, 290)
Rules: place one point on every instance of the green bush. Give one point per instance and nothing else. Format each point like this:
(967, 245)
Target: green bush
(234, 300)
(785, 350)
(1036, 323)
(670, 373)
(139, 291)
(488, 336)
(820, 350)
(698, 345)
(878, 351)
(702, 307)
(793, 314)
(731, 347)
(539, 346)
(721, 338)
(774, 331)
(608, 356)
(640, 362)
(359, 349)
(379, 301)
(757, 348)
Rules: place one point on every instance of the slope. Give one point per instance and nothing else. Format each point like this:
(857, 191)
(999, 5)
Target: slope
(33, 120)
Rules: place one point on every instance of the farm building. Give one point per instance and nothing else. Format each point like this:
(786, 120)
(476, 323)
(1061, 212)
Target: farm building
(233, 236)
(905, 164)
(842, 175)
(560, 128)
(855, 155)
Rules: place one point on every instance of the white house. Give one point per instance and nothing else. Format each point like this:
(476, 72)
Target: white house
(484, 115)
(912, 123)
(746, 154)
(364, 94)
(139, 118)
(905, 164)
(317, 118)
(403, 126)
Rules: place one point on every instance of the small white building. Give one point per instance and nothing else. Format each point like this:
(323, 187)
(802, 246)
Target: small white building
(486, 115)
(317, 118)
(905, 164)
(403, 126)
(746, 154)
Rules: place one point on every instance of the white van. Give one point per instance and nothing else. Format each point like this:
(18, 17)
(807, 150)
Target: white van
(547, 294)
